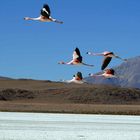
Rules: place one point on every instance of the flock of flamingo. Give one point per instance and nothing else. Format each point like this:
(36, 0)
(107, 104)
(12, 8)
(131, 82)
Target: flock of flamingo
(45, 16)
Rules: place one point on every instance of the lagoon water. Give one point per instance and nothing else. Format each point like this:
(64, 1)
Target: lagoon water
(48, 126)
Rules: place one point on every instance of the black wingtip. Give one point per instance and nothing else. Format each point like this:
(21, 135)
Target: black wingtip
(102, 68)
(77, 50)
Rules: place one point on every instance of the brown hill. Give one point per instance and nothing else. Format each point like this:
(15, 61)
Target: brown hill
(47, 96)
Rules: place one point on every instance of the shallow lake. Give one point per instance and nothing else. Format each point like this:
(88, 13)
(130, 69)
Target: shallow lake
(48, 126)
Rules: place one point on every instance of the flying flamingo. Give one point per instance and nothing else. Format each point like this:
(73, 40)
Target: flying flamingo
(77, 59)
(107, 57)
(44, 16)
(108, 73)
(78, 79)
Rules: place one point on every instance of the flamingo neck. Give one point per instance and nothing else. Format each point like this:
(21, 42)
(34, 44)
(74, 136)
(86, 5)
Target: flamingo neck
(98, 54)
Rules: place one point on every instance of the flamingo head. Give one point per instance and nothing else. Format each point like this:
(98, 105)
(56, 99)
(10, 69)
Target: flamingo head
(90, 74)
(89, 53)
(125, 59)
(26, 18)
(61, 62)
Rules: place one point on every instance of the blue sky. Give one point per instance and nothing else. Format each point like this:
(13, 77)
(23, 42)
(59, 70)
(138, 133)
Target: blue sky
(31, 49)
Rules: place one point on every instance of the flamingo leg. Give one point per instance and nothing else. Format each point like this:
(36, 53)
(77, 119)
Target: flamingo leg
(87, 64)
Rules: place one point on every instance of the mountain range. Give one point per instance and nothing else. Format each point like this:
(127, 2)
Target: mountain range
(128, 75)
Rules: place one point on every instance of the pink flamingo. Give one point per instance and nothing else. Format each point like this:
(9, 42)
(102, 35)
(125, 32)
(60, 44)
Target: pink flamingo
(44, 16)
(77, 59)
(107, 57)
(108, 73)
(78, 79)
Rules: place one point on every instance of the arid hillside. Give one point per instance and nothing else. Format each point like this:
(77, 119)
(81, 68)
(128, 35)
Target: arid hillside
(35, 95)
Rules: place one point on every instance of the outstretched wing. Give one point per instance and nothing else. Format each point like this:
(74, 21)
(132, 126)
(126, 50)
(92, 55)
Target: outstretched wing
(79, 75)
(112, 71)
(77, 51)
(106, 61)
(45, 11)
(77, 55)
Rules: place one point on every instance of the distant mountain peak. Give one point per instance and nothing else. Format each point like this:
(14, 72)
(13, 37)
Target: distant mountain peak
(4, 78)
(128, 72)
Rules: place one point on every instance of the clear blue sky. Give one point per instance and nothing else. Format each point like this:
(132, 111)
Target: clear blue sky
(31, 49)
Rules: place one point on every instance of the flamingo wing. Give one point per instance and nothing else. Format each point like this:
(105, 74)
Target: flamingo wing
(78, 51)
(79, 75)
(45, 11)
(106, 61)
(77, 55)
(110, 71)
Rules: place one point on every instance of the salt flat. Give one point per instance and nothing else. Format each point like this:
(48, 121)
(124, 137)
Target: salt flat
(48, 126)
